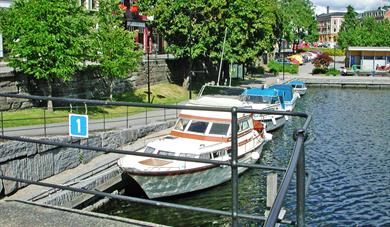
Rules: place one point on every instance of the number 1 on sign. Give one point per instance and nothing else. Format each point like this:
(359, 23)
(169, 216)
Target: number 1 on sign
(78, 121)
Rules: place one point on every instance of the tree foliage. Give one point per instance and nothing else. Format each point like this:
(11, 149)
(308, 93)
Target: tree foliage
(196, 27)
(295, 21)
(114, 50)
(46, 39)
(365, 32)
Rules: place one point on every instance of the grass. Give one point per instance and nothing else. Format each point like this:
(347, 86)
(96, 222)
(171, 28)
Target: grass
(160, 94)
(277, 67)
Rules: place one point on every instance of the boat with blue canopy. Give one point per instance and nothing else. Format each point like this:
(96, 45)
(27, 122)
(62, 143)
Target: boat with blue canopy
(298, 86)
(266, 99)
(287, 92)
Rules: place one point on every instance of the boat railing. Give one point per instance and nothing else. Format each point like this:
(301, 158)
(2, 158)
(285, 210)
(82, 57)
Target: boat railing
(296, 163)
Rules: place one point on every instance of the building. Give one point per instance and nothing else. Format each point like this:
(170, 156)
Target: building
(329, 25)
(146, 37)
(3, 4)
(379, 14)
(369, 58)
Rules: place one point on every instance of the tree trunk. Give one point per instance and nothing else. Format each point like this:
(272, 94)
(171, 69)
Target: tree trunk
(111, 89)
(50, 94)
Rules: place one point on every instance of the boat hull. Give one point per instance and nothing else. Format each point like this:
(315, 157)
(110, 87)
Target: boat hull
(276, 123)
(301, 91)
(181, 182)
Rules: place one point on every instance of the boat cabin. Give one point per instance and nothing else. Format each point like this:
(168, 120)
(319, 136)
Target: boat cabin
(262, 96)
(297, 84)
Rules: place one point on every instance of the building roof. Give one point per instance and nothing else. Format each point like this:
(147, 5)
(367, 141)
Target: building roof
(334, 14)
(378, 49)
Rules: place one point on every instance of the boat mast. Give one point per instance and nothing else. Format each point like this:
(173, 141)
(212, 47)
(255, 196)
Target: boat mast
(220, 63)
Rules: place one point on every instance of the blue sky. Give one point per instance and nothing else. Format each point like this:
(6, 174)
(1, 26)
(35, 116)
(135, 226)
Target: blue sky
(341, 5)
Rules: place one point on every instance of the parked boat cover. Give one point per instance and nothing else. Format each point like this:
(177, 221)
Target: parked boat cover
(284, 90)
(260, 92)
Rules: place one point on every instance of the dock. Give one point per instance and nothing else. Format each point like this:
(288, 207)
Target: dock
(381, 82)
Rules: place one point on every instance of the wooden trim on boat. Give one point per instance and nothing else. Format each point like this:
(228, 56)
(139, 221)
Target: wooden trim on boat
(212, 119)
(207, 137)
(199, 137)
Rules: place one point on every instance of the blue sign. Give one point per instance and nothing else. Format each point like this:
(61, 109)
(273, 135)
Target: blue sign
(78, 125)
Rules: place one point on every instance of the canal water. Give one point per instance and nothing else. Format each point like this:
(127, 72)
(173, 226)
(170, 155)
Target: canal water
(347, 154)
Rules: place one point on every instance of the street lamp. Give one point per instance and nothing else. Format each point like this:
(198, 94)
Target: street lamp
(148, 54)
(334, 57)
(190, 61)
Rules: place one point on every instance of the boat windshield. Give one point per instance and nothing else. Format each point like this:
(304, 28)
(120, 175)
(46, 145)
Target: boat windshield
(203, 127)
(219, 129)
(198, 126)
(181, 124)
(149, 150)
(260, 99)
(220, 90)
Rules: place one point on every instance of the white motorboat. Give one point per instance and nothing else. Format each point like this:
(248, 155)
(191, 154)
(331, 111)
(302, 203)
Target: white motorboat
(266, 99)
(197, 134)
(298, 86)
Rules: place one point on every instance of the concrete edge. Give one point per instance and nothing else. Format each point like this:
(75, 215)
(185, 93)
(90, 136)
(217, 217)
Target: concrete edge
(88, 213)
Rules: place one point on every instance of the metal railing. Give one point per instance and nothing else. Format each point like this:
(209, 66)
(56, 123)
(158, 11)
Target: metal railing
(296, 163)
(102, 120)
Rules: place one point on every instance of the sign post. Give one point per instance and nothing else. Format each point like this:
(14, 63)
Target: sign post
(78, 125)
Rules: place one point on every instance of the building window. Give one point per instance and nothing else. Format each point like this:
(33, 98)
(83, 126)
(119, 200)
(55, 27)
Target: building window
(89, 4)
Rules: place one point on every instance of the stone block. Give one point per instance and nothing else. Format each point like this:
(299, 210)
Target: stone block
(66, 158)
(15, 149)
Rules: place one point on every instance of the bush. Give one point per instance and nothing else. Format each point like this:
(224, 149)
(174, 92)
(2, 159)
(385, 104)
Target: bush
(322, 61)
(255, 70)
(277, 67)
(319, 71)
(328, 51)
(333, 72)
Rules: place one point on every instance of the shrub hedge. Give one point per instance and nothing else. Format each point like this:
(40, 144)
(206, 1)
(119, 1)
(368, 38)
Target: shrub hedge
(329, 51)
(277, 67)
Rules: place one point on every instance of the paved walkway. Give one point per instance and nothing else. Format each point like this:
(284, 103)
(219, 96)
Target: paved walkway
(19, 213)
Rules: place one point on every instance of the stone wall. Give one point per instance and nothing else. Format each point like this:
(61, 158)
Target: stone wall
(84, 85)
(37, 161)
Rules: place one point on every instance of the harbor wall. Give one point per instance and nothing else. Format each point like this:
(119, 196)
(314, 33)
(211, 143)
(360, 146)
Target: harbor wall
(37, 162)
(87, 84)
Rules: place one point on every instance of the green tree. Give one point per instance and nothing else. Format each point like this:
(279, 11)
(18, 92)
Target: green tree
(195, 28)
(301, 22)
(115, 50)
(365, 32)
(46, 39)
(347, 31)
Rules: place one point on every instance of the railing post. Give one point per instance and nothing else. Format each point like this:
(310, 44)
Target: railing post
(165, 115)
(104, 121)
(127, 116)
(234, 169)
(44, 121)
(146, 115)
(301, 183)
(2, 123)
